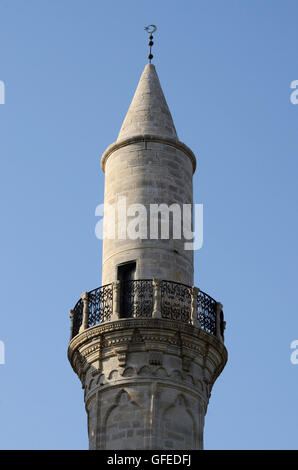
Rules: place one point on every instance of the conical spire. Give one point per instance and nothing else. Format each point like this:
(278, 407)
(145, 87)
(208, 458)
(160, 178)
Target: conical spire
(148, 112)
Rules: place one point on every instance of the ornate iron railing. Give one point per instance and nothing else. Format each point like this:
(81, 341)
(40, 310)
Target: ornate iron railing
(99, 308)
(77, 317)
(175, 301)
(206, 308)
(100, 305)
(146, 298)
(136, 299)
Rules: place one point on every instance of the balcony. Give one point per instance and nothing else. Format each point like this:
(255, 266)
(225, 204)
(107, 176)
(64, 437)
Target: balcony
(148, 298)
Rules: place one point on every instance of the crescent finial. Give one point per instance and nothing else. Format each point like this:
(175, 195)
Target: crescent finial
(150, 30)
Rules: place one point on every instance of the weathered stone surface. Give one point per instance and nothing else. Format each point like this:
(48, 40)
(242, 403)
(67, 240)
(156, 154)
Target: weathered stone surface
(147, 381)
(148, 112)
(155, 184)
(153, 402)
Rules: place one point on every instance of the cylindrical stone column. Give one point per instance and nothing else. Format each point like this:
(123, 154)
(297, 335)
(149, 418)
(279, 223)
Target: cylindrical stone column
(147, 372)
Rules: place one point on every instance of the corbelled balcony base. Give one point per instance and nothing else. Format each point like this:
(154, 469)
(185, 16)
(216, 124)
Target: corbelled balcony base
(147, 382)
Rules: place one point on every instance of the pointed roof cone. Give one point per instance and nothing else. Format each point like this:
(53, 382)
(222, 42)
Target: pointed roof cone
(148, 113)
(148, 119)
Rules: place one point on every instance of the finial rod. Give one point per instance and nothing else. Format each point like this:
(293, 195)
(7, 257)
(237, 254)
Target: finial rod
(150, 30)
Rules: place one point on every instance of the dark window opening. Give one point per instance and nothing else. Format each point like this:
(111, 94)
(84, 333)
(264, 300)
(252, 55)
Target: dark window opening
(125, 274)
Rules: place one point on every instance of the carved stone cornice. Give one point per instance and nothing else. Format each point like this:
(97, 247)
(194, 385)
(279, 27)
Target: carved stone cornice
(154, 323)
(148, 138)
(120, 337)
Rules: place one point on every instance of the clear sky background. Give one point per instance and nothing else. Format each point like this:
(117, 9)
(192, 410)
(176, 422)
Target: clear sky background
(70, 68)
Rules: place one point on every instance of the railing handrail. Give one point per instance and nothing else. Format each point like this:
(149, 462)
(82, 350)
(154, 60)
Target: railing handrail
(96, 288)
(176, 282)
(136, 280)
(108, 302)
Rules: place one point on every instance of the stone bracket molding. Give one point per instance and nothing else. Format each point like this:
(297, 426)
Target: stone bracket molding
(148, 138)
(186, 363)
(128, 335)
(122, 358)
(155, 358)
(96, 331)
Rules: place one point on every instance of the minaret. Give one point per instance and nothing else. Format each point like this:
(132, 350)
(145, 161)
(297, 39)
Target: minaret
(147, 345)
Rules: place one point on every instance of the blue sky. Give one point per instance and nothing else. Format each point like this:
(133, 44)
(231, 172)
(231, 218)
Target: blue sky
(70, 68)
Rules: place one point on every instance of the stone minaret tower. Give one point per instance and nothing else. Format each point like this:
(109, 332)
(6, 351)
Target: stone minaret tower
(147, 345)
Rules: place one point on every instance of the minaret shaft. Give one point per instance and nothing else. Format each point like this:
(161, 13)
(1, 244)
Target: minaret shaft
(148, 173)
(148, 167)
(147, 345)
